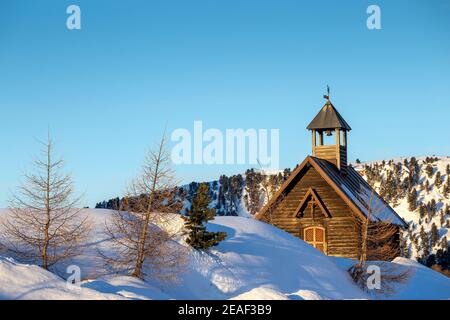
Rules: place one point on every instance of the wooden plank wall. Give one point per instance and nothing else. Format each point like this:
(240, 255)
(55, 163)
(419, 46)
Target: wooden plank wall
(326, 152)
(341, 229)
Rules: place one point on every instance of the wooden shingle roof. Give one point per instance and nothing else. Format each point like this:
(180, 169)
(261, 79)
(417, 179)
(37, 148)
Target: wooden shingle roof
(328, 118)
(352, 188)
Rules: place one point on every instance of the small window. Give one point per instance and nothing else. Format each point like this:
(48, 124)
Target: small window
(315, 236)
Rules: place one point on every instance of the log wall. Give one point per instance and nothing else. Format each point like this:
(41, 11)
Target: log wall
(342, 231)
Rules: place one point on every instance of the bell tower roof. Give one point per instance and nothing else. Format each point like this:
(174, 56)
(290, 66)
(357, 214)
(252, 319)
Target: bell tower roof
(328, 118)
(328, 121)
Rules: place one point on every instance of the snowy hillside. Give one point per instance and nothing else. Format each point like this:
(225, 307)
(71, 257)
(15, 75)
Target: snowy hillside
(236, 195)
(423, 284)
(419, 191)
(256, 261)
(20, 281)
(251, 263)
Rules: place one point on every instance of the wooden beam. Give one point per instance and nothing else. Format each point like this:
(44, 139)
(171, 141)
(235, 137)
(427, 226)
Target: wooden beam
(344, 138)
(338, 148)
(313, 142)
(315, 200)
(321, 138)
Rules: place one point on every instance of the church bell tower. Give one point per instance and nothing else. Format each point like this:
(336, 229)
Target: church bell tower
(330, 123)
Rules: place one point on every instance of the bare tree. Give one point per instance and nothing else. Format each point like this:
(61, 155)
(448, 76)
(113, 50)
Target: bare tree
(269, 191)
(379, 244)
(44, 224)
(142, 233)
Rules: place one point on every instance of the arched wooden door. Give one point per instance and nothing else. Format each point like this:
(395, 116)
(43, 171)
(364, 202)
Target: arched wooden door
(316, 237)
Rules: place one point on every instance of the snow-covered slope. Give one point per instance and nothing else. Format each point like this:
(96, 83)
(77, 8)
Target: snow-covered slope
(396, 179)
(258, 258)
(423, 283)
(256, 261)
(20, 281)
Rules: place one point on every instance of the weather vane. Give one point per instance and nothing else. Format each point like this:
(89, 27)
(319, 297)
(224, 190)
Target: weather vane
(327, 96)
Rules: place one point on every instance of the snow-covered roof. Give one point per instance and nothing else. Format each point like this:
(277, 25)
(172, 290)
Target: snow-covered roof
(361, 193)
(353, 189)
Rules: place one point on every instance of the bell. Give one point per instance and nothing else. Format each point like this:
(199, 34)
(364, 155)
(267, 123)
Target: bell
(329, 134)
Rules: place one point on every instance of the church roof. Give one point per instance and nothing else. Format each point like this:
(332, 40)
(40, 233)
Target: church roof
(352, 188)
(328, 118)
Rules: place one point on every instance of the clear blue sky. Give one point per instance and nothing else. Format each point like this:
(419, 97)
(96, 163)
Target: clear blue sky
(107, 90)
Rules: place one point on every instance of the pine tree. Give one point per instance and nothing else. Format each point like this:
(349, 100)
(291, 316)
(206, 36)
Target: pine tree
(253, 188)
(437, 180)
(434, 235)
(414, 169)
(404, 248)
(446, 190)
(431, 206)
(422, 211)
(447, 170)
(286, 173)
(425, 243)
(444, 244)
(429, 170)
(443, 258)
(199, 214)
(406, 163)
(412, 200)
(236, 188)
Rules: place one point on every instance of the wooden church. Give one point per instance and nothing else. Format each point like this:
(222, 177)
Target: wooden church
(324, 196)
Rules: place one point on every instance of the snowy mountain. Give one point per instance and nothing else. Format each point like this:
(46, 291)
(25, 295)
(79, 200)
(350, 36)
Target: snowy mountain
(419, 191)
(256, 261)
(236, 195)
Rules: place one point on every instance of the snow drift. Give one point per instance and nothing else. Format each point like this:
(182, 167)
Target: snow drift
(256, 261)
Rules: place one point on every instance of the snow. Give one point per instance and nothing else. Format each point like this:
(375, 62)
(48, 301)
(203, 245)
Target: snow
(256, 261)
(423, 283)
(127, 287)
(257, 255)
(261, 293)
(380, 212)
(21, 281)
(402, 207)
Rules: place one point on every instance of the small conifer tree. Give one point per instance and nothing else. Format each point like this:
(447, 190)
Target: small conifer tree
(412, 200)
(199, 238)
(437, 180)
(434, 235)
(429, 170)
